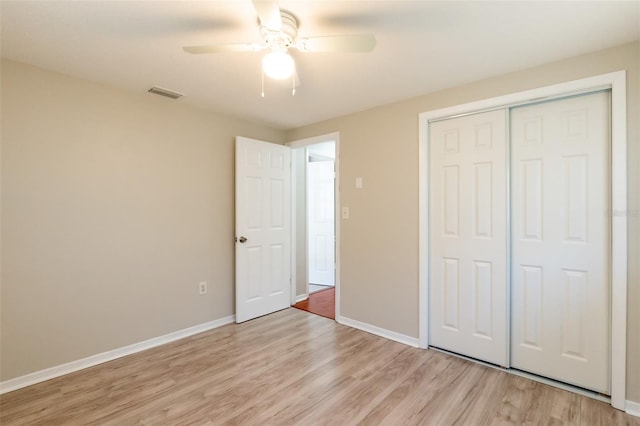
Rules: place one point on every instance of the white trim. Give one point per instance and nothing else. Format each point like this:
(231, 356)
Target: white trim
(585, 85)
(337, 216)
(423, 231)
(632, 408)
(382, 332)
(301, 298)
(73, 366)
(507, 233)
(617, 82)
(314, 140)
(306, 219)
(335, 136)
(618, 239)
(294, 233)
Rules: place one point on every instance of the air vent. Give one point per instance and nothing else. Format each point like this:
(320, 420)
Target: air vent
(165, 92)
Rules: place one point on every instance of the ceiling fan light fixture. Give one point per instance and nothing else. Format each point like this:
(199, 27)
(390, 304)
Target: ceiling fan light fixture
(278, 65)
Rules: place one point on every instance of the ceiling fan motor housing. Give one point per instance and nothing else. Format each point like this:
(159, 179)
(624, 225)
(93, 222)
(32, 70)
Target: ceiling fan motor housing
(281, 40)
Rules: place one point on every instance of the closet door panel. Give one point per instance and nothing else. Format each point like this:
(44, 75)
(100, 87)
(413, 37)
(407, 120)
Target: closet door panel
(560, 243)
(468, 257)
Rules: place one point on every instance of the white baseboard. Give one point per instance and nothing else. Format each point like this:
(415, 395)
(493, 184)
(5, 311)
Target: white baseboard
(70, 367)
(391, 335)
(632, 408)
(301, 297)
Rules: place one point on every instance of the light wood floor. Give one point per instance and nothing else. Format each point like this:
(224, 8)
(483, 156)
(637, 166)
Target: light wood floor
(290, 368)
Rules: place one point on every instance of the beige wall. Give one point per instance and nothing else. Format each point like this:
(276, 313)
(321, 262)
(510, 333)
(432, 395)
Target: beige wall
(379, 243)
(115, 205)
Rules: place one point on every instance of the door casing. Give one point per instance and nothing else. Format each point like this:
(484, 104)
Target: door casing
(615, 81)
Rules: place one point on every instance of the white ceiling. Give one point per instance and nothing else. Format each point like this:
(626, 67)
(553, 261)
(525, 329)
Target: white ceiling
(422, 46)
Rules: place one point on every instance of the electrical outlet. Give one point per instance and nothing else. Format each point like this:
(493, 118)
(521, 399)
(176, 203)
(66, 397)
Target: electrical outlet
(202, 287)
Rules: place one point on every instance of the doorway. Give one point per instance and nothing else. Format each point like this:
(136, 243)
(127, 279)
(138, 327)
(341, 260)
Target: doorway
(320, 216)
(315, 231)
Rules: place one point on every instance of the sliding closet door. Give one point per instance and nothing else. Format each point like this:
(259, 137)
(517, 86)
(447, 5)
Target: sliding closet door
(561, 234)
(468, 282)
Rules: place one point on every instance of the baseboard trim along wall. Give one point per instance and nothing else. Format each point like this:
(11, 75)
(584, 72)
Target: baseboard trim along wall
(301, 297)
(73, 366)
(388, 334)
(632, 408)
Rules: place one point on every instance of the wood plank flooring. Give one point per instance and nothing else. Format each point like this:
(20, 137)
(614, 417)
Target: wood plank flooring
(321, 303)
(292, 368)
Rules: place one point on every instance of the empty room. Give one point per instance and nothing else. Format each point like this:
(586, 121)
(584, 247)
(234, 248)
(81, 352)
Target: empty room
(319, 212)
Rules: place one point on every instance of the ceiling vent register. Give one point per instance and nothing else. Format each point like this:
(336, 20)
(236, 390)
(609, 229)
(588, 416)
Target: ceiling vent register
(165, 92)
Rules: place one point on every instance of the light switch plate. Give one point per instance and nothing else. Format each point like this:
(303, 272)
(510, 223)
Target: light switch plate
(345, 212)
(358, 183)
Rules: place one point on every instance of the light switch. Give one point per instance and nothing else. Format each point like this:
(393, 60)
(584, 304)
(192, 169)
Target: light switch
(345, 212)
(358, 183)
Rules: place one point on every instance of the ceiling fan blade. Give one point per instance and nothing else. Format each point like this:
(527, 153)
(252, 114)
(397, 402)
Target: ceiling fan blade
(222, 48)
(269, 14)
(340, 43)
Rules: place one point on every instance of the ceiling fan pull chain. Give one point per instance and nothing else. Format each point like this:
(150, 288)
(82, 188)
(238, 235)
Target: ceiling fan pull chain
(293, 84)
(262, 74)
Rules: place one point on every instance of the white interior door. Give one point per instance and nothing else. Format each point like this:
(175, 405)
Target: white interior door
(561, 234)
(263, 228)
(468, 252)
(320, 208)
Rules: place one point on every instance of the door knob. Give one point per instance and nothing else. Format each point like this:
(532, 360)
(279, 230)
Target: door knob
(242, 240)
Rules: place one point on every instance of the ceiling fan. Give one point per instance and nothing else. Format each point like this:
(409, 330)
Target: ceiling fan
(279, 32)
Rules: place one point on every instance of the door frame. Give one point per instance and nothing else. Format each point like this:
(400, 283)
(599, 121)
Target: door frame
(302, 143)
(616, 81)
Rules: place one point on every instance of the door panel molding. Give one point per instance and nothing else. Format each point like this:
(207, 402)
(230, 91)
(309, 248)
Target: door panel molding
(615, 81)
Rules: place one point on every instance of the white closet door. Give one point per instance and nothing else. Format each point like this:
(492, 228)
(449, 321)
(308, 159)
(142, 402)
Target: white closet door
(468, 256)
(561, 232)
